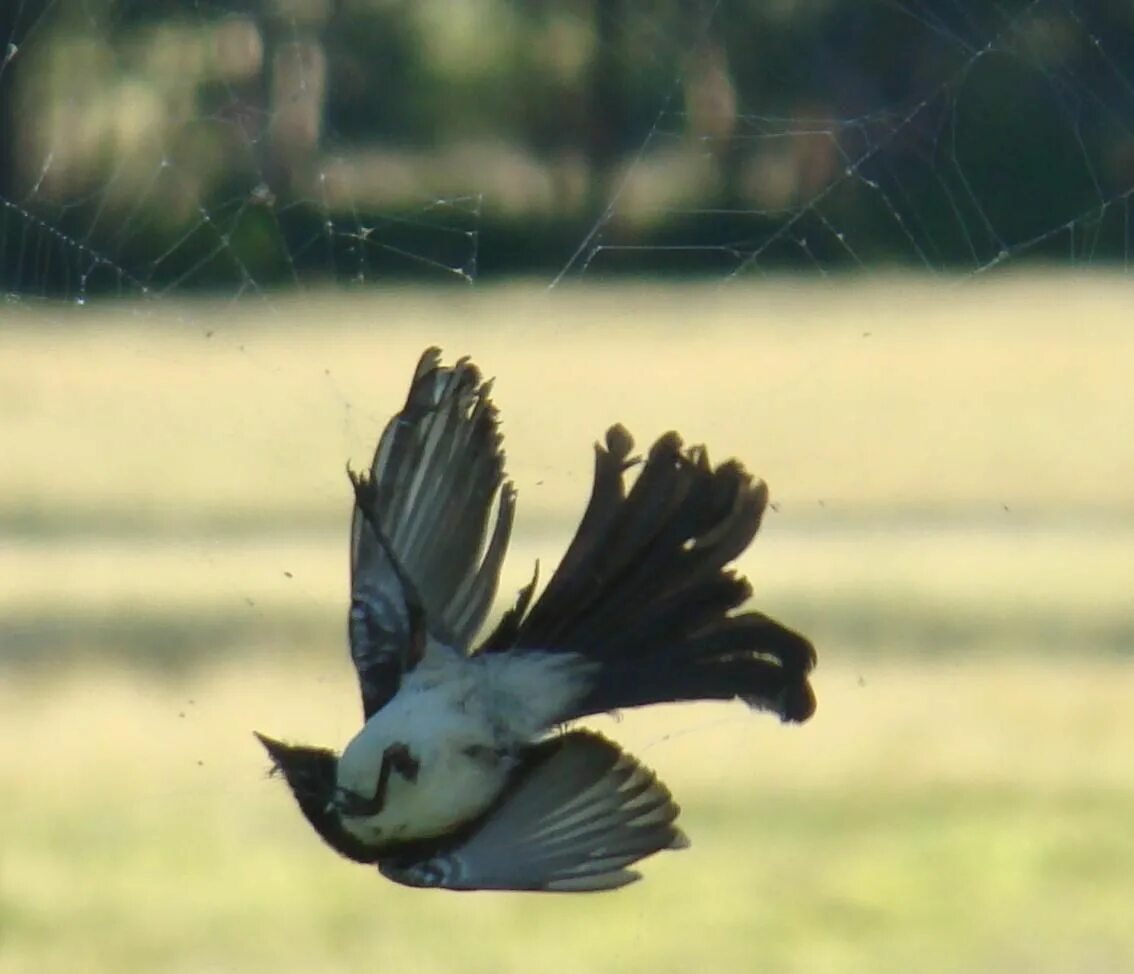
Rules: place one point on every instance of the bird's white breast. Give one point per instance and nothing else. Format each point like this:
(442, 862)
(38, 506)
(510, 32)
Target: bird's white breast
(463, 722)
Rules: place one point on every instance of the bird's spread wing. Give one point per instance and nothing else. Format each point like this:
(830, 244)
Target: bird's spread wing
(418, 535)
(580, 812)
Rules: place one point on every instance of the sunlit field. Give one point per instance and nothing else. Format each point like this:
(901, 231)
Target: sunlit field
(951, 469)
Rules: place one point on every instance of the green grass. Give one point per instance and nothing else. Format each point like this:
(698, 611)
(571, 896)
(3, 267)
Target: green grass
(952, 471)
(970, 817)
(870, 399)
(950, 465)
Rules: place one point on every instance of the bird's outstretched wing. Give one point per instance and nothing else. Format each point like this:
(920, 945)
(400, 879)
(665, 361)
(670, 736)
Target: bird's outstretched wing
(418, 535)
(579, 813)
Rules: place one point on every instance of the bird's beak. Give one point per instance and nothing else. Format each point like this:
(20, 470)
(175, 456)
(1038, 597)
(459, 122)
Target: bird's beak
(276, 749)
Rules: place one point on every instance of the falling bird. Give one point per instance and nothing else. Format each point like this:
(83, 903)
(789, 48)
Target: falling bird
(465, 774)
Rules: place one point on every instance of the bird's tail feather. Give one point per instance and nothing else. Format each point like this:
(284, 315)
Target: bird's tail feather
(644, 590)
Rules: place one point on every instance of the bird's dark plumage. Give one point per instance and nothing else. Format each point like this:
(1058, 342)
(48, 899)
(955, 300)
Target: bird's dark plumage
(642, 609)
(644, 590)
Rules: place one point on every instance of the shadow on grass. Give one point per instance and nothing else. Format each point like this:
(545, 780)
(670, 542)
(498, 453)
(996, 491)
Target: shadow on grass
(164, 642)
(175, 641)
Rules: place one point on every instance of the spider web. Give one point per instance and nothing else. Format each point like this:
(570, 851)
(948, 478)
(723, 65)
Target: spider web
(922, 178)
(229, 174)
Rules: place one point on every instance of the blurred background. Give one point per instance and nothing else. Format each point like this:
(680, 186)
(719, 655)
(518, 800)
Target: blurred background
(879, 251)
(177, 144)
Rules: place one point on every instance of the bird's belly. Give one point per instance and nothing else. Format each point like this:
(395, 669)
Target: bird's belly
(453, 785)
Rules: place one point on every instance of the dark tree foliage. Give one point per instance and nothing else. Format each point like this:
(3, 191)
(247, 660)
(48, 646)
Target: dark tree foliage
(971, 128)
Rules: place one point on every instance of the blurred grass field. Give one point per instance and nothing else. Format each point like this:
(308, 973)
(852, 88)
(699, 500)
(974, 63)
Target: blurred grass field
(951, 469)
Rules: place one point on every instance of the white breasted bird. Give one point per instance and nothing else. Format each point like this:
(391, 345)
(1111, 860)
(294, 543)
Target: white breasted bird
(463, 775)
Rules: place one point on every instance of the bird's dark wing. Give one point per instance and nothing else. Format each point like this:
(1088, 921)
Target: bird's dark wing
(418, 535)
(579, 813)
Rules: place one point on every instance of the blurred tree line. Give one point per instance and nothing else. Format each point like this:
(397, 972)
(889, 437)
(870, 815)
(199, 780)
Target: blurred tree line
(151, 144)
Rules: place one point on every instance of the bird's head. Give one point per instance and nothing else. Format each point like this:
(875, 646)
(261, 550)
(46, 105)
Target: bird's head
(310, 774)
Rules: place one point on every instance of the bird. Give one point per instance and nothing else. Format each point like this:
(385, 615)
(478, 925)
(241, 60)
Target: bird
(469, 772)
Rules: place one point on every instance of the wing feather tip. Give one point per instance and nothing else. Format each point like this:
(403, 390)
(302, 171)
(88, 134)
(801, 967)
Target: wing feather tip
(614, 879)
(679, 840)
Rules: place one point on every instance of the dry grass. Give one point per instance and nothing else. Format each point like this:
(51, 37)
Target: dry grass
(952, 468)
